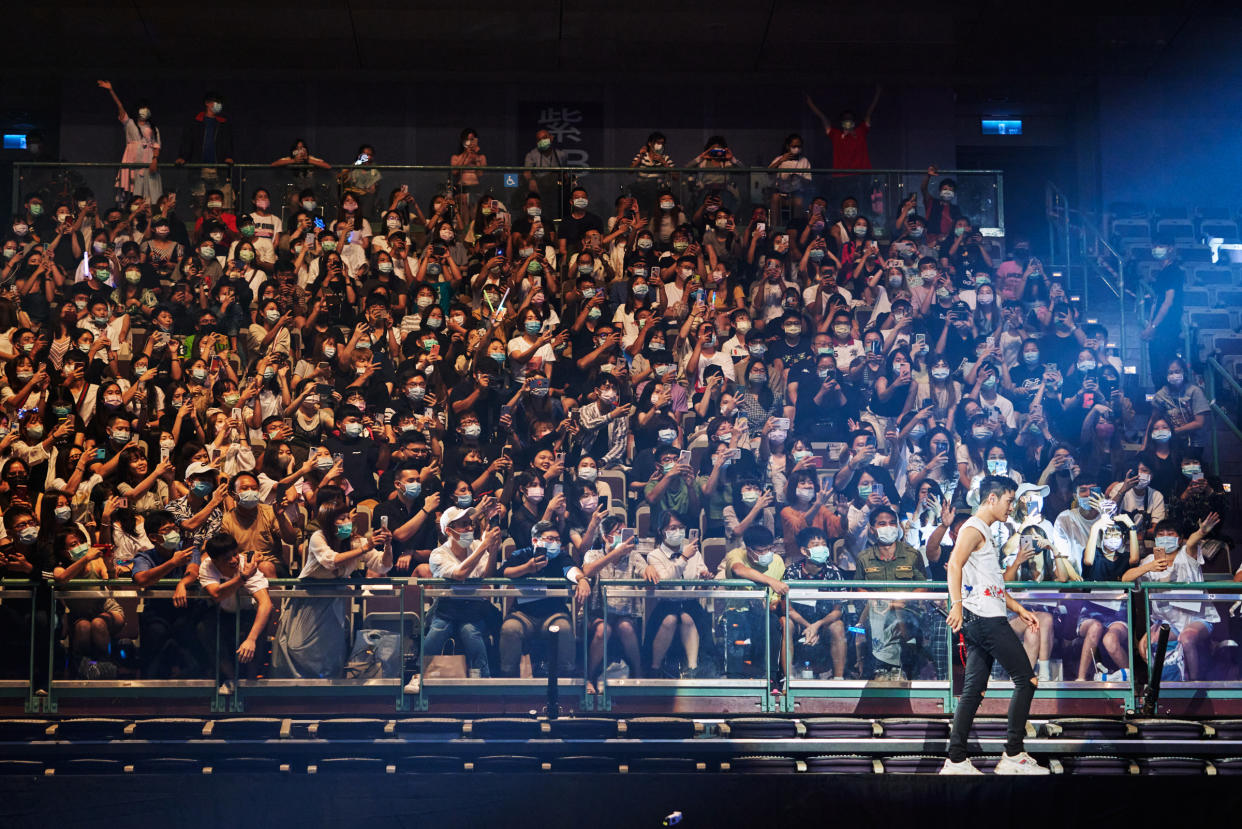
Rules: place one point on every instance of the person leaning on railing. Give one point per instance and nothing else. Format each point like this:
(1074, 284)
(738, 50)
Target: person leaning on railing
(239, 591)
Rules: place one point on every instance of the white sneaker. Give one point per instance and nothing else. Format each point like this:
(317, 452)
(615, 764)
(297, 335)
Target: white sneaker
(964, 767)
(412, 687)
(226, 689)
(1020, 763)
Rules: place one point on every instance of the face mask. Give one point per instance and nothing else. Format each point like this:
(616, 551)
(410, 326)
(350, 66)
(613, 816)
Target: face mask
(916, 233)
(62, 514)
(588, 474)
(641, 290)
(805, 493)
(35, 432)
(750, 496)
(917, 432)
(981, 432)
(758, 378)
(940, 373)
(203, 488)
(353, 429)
(1112, 541)
(666, 436)
(248, 498)
(675, 538)
(607, 396)
(309, 205)
(589, 504)
(765, 559)
(946, 195)
(1191, 470)
(989, 383)
(544, 144)
(344, 530)
(1161, 435)
(668, 466)
(465, 538)
(680, 245)
(472, 430)
(998, 466)
(216, 107)
(1167, 543)
(1159, 252)
(434, 322)
(818, 554)
(800, 454)
(793, 330)
(645, 244)
(887, 535)
(581, 204)
(986, 298)
(1175, 378)
(1086, 365)
(1030, 357)
(841, 331)
(231, 399)
(850, 212)
(533, 326)
(80, 550)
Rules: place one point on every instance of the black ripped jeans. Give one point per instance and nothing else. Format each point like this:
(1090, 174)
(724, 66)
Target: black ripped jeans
(990, 639)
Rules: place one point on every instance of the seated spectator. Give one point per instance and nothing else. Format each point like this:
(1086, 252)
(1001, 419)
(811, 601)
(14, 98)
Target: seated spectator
(820, 622)
(169, 627)
(92, 623)
(461, 557)
(616, 557)
(676, 558)
(545, 558)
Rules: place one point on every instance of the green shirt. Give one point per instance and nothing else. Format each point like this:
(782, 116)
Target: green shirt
(906, 565)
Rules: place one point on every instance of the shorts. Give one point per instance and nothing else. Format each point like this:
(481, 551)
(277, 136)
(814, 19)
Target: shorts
(1103, 615)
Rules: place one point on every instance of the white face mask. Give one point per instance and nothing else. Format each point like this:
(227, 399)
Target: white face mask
(887, 535)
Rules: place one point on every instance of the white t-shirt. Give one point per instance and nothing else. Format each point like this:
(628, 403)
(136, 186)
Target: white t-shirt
(208, 574)
(717, 359)
(443, 563)
(267, 230)
(983, 581)
(1179, 611)
(519, 345)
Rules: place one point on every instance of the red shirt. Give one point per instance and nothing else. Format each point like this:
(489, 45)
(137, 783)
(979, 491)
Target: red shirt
(849, 150)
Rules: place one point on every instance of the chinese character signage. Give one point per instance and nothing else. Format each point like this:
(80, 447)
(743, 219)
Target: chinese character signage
(576, 129)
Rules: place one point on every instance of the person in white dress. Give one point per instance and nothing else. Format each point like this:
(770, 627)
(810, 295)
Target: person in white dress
(142, 146)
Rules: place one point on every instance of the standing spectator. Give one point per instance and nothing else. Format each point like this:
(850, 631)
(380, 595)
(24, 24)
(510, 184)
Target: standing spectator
(548, 184)
(849, 138)
(142, 146)
(1163, 332)
(208, 139)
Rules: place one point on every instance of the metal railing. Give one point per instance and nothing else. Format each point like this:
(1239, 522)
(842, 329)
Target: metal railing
(896, 643)
(1212, 370)
(784, 193)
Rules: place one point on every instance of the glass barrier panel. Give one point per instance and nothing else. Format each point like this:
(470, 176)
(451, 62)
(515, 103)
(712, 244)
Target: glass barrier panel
(113, 639)
(25, 620)
(496, 636)
(697, 635)
(328, 638)
(1205, 628)
(1083, 642)
(841, 638)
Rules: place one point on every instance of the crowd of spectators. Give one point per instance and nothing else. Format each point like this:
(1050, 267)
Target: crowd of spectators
(216, 395)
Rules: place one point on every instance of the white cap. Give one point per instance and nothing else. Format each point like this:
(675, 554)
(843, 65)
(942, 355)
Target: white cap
(200, 469)
(1028, 488)
(453, 514)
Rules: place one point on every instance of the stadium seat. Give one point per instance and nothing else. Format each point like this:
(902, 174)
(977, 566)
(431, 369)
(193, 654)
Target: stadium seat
(714, 550)
(1179, 229)
(91, 728)
(1219, 229)
(248, 765)
(1197, 299)
(24, 731)
(245, 728)
(841, 764)
(1112, 766)
(762, 764)
(507, 764)
(428, 728)
(1226, 729)
(21, 767)
(88, 765)
(167, 765)
(838, 728)
(1207, 276)
(1172, 765)
(582, 728)
(429, 764)
(1170, 730)
(1194, 253)
(504, 728)
(642, 521)
(912, 764)
(585, 764)
(615, 479)
(1128, 231)
(908, 728)
(349, 729)
(664, 765)
(1228, 767)
(1087, 728)
(753, 727)
(350, 765)
(660, 728)
(166, 728)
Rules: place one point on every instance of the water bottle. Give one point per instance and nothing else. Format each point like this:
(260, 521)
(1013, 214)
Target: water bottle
(807, 673)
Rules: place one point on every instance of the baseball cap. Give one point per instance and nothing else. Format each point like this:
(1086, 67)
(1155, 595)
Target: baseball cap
(453, 514)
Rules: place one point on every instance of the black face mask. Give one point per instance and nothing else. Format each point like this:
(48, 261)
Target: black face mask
(475, 468)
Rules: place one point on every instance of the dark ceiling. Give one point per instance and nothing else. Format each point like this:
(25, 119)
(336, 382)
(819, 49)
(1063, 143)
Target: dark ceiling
(821, 41)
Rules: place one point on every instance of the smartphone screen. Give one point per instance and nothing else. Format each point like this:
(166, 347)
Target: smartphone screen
(692, 536)
(877, 489)
(684, 460)
(557, 490)
(384, 521)
(627, 535)
(815, 462)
